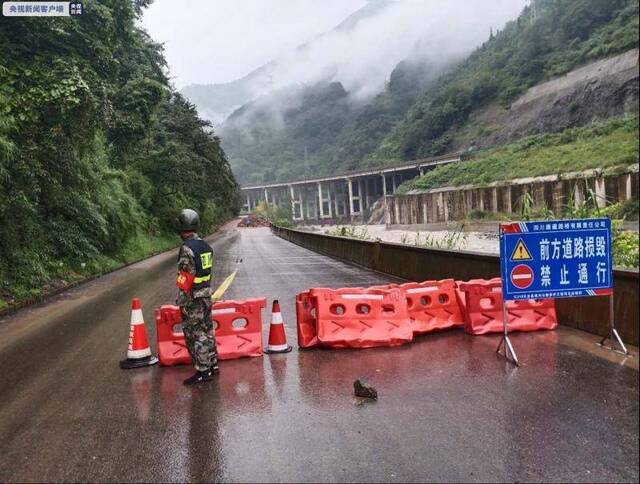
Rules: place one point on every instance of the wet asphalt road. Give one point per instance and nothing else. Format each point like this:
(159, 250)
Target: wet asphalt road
(448, 409)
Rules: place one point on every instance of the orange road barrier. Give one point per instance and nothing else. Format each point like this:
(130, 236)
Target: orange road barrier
(172, 349)
(237, 326)
(306, 320)
(138, 351)
(483, 309)
(361, 318)
(433, 305)
(277, 336)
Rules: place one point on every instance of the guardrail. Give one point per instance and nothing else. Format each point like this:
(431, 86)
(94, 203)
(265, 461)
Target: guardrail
(417, 264)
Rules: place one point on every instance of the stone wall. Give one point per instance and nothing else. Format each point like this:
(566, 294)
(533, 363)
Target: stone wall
(553, 192)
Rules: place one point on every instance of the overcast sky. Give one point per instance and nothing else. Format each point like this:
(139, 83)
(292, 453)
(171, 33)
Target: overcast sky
(212, 41)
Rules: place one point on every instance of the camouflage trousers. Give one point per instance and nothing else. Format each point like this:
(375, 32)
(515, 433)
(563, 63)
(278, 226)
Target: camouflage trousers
(198, 333)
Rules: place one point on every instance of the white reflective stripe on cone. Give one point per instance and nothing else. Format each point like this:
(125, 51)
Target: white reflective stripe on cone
(276, 318)
(278, 347)
(136, 316)
(139, 353)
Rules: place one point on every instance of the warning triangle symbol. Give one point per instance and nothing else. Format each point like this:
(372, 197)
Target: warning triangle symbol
(521, 252)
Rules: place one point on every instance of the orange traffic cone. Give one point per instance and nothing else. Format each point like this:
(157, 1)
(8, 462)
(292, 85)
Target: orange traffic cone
(139, 351)
(277, 338)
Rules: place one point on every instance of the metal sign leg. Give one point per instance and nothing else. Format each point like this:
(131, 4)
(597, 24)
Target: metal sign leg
(613, 333)
(509, 352)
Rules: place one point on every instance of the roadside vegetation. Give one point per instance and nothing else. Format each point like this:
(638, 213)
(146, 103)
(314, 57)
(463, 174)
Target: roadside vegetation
(279, 215)
(607, 145)
(65, 272)
(351, 231)
(452, 240)
(626, 243)
(97, 152)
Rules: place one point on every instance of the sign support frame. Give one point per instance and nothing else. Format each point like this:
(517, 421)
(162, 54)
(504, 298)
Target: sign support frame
(593, 238)
(613, 333)
(504, 340)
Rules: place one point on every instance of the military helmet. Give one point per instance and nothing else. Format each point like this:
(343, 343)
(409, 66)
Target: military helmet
(187, 221)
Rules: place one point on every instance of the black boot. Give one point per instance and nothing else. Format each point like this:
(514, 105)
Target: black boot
(201, 376)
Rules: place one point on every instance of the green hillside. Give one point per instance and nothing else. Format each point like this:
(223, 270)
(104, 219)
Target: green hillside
(607, 145)
(97, 153)
(548, 39)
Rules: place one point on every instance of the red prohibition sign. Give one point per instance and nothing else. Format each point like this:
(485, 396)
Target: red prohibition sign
(521, 276)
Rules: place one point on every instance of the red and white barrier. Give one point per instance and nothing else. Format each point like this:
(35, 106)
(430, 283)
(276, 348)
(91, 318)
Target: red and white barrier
(237, 327)
(433, 305)
(483, 309)
(361, 318)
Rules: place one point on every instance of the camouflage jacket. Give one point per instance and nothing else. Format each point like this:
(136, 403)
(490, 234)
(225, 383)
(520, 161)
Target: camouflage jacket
(187, 263)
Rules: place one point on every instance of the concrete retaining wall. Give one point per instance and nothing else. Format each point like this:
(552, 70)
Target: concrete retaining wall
(553, 192)
(418, 264)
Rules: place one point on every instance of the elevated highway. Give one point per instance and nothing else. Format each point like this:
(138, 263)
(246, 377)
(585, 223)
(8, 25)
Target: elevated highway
(341, 196)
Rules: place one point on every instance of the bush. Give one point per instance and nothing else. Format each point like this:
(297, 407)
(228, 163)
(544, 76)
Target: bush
(627, 210)
(625, 249)
(283, 222)
(97, 152)
(477, 214)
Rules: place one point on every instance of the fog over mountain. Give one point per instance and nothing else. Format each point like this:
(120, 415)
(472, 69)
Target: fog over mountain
(362, 51)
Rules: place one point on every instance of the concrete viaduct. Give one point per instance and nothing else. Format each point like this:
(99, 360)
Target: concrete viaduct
(343, 196)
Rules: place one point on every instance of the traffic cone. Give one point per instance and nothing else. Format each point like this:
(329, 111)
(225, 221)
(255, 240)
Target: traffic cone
(277, 338)
(139, 351)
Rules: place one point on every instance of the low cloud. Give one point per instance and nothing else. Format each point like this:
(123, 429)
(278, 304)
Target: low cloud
(362, 57)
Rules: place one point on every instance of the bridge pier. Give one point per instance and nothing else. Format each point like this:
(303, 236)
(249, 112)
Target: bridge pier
(297, 209)
(322, 200)
(346, 196)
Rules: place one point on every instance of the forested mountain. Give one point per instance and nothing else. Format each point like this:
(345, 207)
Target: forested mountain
(96, 150)
(304, 130)
(425, 108)
(278, 129)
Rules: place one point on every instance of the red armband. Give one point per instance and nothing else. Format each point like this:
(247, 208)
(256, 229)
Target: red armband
(185, 281)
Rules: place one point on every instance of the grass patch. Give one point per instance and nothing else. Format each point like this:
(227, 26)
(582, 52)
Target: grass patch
(135, 249)
(63, 273)
(351, 231)
(608, 145)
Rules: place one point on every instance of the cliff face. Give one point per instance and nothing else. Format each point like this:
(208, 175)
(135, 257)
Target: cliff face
(597, 91)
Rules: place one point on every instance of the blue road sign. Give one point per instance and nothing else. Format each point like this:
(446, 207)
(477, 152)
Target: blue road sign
(556, 258)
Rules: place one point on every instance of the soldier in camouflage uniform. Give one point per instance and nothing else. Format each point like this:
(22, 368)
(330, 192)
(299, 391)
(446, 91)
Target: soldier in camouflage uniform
(194, 297)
